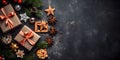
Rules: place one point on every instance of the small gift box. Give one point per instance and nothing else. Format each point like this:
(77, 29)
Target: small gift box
(8, 18)
(27, 38)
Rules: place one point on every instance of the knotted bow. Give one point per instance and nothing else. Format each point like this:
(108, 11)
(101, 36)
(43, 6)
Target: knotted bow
(7, 18)
(27, 36)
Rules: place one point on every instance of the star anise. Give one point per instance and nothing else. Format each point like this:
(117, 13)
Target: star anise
(49, 40)
(52, 31)
(52, 20)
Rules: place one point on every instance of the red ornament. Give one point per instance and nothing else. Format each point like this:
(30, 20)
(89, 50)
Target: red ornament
(15, 0)
(4, 2)
(19, 1)
(1, 58)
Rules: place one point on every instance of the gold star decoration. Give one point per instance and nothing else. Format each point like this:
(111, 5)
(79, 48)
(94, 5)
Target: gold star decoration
(50, 10)
(14, 46)
(20, 53)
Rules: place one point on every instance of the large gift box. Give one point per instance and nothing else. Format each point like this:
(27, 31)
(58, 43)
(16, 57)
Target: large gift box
(27, 38)
(8, 18)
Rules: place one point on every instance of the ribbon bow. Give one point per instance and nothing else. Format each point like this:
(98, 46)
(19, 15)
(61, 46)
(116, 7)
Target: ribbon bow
(27, 36)
(7, 18)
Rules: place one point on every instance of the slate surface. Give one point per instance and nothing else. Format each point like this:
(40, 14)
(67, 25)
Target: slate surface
(87, 30)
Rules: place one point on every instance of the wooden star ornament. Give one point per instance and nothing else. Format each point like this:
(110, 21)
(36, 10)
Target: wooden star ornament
(41, 26)
(24, 17)
(20, 53)
(50, 11)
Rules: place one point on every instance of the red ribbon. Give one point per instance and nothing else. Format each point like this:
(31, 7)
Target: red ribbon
(7, 18)
(27, 36)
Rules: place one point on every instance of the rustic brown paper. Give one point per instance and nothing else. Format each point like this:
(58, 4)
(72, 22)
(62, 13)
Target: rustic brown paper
(14, 19)
(27, 45)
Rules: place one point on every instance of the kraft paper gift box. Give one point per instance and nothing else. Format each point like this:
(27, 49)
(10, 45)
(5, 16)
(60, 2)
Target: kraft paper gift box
(27, 38)
(8, 18)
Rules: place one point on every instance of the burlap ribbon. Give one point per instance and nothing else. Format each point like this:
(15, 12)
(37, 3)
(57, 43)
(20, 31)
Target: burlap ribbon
(27, 36)
(6, 17)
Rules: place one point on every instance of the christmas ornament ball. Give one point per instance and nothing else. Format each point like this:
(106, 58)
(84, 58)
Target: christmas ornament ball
(1, 58)
(32, 20)
(6, 39)
(17, 7)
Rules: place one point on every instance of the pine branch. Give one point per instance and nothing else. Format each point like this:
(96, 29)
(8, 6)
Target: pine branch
(30, 56)
(42, 44)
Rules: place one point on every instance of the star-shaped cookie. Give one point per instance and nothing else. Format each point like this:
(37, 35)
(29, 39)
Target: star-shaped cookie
(20, 53)
(50, 11)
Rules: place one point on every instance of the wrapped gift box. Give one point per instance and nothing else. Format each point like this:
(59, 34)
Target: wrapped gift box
(27, 38)
(8, 18)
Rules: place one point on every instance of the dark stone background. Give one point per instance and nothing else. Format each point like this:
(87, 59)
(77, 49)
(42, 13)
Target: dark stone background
(87, 30)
